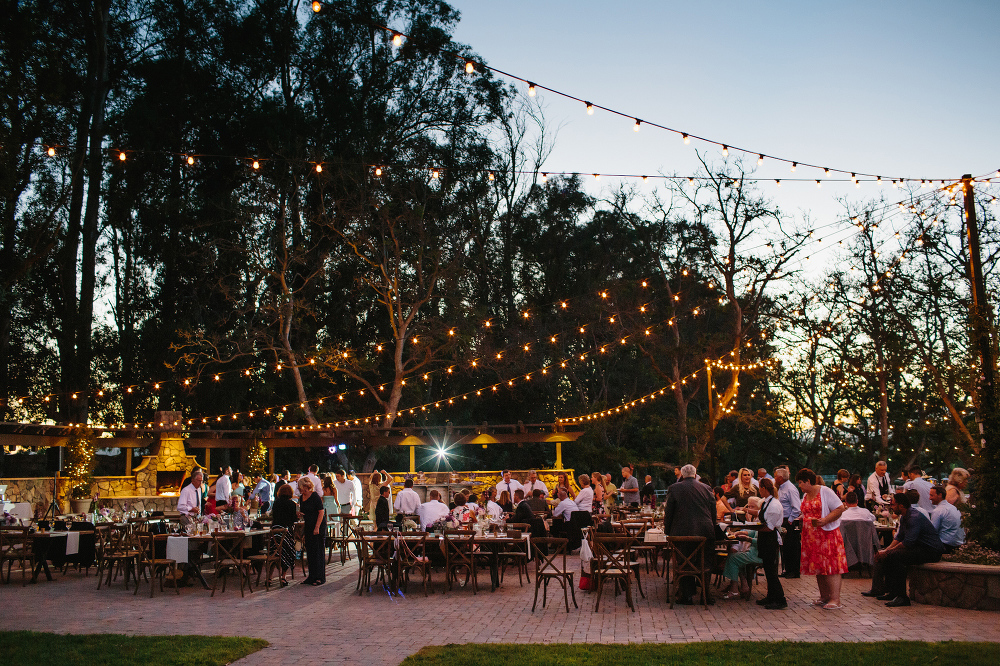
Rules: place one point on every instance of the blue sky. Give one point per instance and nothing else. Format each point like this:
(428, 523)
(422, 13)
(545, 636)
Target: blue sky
(895, 88)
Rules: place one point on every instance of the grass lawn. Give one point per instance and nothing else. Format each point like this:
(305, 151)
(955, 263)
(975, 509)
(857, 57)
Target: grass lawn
(730, 653)
(29, 648)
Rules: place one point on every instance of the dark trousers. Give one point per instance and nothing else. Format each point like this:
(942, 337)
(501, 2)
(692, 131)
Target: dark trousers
(767, 550)
(889, 575)
(791, 548)
(314, 555)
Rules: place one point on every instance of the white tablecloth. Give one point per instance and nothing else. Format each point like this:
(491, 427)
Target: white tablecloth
(72, 541)
(177, 549)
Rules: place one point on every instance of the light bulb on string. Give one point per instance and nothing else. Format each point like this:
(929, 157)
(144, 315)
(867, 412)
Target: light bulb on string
(635, 128)
(317, 6)
(760, 160)
(255, 165)
(51, 151)
(319, 168)
(190, 160)
(470, 67)
(794, 164)
(531, 89)
(686, 138)
(725, 150)
(397, 39)
(122, 156)
(378, 172)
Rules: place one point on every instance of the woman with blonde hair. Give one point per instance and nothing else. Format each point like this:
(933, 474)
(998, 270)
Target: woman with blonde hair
(743, 489)
(957, 481)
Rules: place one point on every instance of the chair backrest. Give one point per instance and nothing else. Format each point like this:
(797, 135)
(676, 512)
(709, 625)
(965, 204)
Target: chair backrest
(412, 547)
(690, 553)
(524, 527)
(459, 545)
(555, 547)
(10, 537)
(612, 552)
(228, 545)
(275, 538)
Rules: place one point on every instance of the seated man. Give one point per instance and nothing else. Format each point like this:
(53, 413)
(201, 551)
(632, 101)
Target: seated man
(946, 519)
(855, 512)
(916, 542)
(537, 501)
(522, 510)
(566, 506)
(432, 510)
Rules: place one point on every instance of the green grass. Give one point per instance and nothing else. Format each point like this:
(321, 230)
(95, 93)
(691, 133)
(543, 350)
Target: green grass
(729, 653)
(30, 648)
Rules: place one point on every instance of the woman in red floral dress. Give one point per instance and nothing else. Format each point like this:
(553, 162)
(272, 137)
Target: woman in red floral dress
(822, 543)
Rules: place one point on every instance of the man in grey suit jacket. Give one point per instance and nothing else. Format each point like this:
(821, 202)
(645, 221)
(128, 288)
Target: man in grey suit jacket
(690, 511)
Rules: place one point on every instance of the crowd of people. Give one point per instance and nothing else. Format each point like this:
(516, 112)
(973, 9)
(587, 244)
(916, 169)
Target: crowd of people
(798, 520)
(802, 521)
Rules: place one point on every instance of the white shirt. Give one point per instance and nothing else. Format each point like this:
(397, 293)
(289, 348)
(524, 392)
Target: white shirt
(532, 485)
(494, 510)
(772, 514)
(357, 493)
(317, 484)
(857, 513)
(223, 488)
(585, 499)
(509, 486)
(431, 512)
(923, 488)
(872, 489)
(407, 501)
(190, 499)
(564, 509)
(345, 491)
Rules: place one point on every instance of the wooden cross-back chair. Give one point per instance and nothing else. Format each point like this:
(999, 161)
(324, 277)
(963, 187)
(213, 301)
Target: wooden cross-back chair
(460, 553)
(229, 557)
(16, 546)
(689, 552)
(547, 551)
(148, 562)
(412, 556)
(375, 553)
(613, 562)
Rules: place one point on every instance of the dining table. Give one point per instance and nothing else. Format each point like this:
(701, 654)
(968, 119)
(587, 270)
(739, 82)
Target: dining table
(179, 548)
(57, 545)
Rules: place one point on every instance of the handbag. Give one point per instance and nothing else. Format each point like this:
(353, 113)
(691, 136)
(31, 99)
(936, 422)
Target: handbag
(584, 582)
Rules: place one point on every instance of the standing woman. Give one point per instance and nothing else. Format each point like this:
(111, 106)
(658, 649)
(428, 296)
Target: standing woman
(743, 489)
(375, 483)
(562, 481)
(822, 543)
(598, 493)
(314, 530)
(283, 514)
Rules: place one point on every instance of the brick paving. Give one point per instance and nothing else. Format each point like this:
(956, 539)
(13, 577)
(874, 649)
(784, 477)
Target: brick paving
(331, 623)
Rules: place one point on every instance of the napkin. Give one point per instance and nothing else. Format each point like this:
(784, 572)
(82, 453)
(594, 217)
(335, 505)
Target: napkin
(72, 543)
(177, 549)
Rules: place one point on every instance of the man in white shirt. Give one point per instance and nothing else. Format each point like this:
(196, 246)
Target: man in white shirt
(878, 491)
(345, 491)
(432, 510)
(508, 484)
(312, 476)
(855, 512)
(533, 483)
(358, 497)
(921, 485)
(223, 488)
(566, 506)
(585, 498)
(189, 502)
(407, 501)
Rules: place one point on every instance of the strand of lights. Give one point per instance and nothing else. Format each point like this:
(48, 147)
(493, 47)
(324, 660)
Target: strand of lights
(472, 66)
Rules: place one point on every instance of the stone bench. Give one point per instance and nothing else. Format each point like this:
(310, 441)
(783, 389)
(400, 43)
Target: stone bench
(972, 586)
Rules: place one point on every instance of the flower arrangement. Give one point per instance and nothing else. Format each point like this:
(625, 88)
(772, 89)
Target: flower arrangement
(8, 519)
(973, 553)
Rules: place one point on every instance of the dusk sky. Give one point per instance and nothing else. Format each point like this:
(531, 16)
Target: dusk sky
(894, 88)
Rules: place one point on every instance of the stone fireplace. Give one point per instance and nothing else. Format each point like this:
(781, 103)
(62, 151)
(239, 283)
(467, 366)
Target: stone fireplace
(166, 469)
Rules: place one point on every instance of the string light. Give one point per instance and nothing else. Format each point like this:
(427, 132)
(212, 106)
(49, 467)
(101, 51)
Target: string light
(590, 109)
(531, 89)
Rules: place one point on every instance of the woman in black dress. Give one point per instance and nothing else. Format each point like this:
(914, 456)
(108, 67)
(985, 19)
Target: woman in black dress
(313, 531)
(284, 514)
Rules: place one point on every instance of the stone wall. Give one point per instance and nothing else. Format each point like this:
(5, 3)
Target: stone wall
(37, 491)
(956, 585)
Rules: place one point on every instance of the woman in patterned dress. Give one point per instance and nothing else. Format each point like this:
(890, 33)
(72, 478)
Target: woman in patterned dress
(822, 543)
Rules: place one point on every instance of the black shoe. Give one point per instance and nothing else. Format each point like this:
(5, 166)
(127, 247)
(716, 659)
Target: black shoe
(871, 593)
(764, 602)
(888, 596)
(789, 575)
(897, 602)
(777, 605)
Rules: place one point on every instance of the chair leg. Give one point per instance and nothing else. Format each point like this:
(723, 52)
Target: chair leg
(537, 583)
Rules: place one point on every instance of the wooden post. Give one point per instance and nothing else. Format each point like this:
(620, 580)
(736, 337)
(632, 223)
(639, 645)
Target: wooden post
(559, 464)
(208, 463)
(270, 460)
(128, 462)
(413, 460)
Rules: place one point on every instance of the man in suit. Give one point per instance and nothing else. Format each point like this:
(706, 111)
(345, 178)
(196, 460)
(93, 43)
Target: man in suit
(690, 511)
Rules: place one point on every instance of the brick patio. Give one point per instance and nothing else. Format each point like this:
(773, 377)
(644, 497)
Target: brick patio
(344, 628)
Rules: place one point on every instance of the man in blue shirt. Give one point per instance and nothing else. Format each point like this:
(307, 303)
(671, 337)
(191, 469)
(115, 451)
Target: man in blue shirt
(791, 500)
(916, 542)
(921, 485)
(947, 520)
